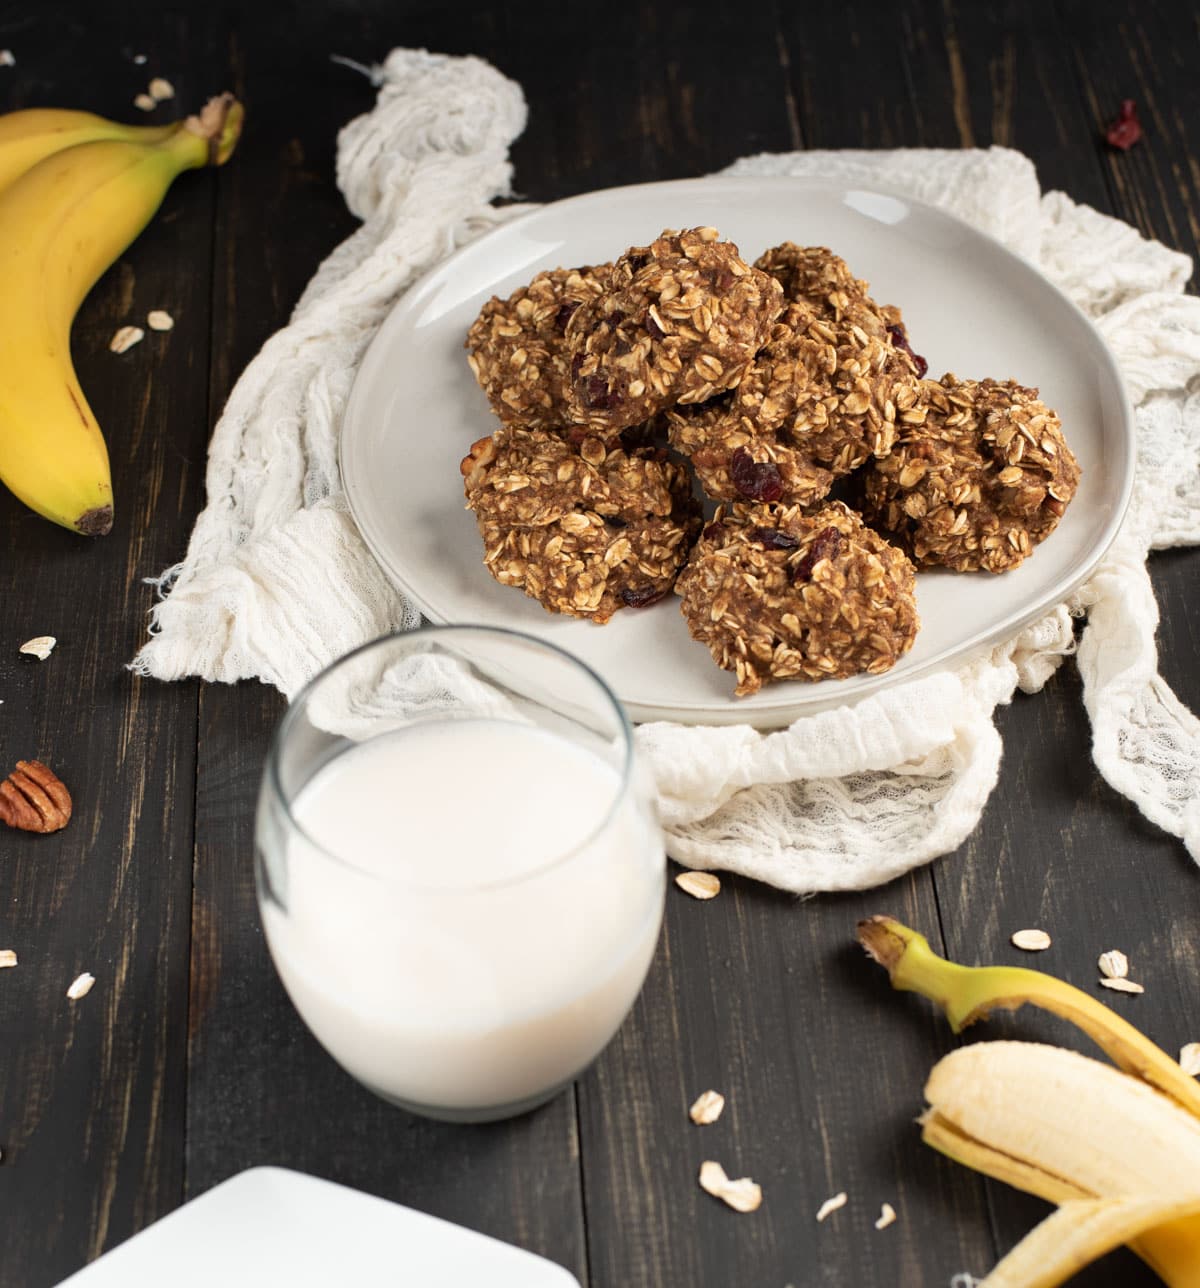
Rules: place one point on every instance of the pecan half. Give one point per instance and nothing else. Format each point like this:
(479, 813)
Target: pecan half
(34, 799)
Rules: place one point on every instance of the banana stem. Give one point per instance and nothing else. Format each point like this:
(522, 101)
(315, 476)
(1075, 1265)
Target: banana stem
(219, 124)
(970, 993)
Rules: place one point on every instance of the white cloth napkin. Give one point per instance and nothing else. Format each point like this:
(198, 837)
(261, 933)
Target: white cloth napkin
(276, 581)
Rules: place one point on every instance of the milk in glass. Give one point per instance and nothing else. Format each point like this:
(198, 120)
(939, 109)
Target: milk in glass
(466, 911)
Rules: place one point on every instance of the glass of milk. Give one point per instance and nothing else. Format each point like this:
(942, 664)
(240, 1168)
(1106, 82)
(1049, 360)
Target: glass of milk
(459, 868)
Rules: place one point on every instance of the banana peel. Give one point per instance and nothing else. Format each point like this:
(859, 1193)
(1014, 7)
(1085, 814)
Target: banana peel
(63, 221)
(1117, 1149)
(970, 993)
(1082, 1230)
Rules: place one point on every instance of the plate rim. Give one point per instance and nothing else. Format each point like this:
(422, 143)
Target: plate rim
(784, 711)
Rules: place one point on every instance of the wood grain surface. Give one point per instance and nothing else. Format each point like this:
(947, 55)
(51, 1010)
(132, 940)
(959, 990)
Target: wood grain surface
(186, 1063)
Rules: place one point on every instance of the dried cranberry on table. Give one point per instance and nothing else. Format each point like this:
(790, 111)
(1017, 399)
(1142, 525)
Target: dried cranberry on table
(1125, 131)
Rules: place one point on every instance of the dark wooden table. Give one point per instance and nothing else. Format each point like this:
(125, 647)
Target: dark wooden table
(187, 1063)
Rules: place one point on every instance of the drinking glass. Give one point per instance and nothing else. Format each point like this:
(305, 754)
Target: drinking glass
(459, 867)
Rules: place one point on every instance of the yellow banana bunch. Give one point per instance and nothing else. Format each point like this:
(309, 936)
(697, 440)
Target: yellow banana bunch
(26, 137)
(75, 190)
(1117, 1149)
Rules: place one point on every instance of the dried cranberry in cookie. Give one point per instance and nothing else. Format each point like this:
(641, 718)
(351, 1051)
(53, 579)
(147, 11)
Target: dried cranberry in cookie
(584, 527)
(977, 479)
(678, 322)
(776, 593)
(517, 346)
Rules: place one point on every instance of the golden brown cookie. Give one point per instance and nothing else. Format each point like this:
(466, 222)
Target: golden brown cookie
(820, 399)
(583, 527)
(977, 479)
(678, 321)
(517, 346)
(775, 593)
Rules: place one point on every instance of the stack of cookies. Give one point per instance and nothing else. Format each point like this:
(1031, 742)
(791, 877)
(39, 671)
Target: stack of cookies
(779, 383)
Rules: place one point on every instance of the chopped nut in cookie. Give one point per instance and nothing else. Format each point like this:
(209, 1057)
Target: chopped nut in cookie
(778, 594)
(584, 527)
(678, 322)
(980, 474)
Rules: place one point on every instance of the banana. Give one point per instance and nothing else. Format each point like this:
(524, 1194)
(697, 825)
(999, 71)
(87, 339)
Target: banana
(27, 136)
(1082, 1123)
(1117, 1149)
(62, 223)
(1084, 1229)
(970, 993)
(1070, 1129)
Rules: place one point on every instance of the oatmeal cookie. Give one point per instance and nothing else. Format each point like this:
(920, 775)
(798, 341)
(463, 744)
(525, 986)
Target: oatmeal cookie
(517, 347)
(820, 400)
(678, 321)
(777, 594)
(982, 479)
(583, 527)
(815, 276)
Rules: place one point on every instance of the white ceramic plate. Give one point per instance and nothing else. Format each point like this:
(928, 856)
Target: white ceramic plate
(269, 1226)
(971, 307)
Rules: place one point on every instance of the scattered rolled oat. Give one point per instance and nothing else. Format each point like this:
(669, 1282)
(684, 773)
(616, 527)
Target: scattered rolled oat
(7, 59)
(700, 885)
(1113, 964)
(159, 320)
(81, 986)
(831, 1205)
(1032, 941)
(743, 1195)
(126, 338)
(41, 646)
(887, 1214)
(707, 1108)
(1189, 1058)
(139, 60)
(145, 103)
(7, 958)
(1120, 985)
(161, 90)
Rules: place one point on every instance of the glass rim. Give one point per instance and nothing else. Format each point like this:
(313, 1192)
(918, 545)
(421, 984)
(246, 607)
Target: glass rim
(272, 779)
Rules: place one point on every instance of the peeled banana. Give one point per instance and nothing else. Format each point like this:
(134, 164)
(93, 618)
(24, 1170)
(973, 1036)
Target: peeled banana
(1117, 1149)
(62, 223)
